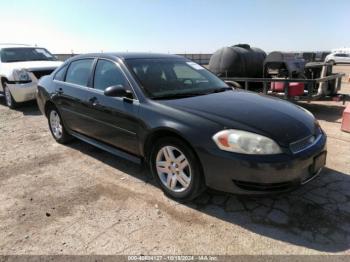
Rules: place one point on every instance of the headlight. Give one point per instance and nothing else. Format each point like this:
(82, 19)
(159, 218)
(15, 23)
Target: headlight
(246, 143)
(21, 75)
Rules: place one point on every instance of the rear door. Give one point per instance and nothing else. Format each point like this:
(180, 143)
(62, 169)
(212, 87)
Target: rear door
(73, 93)
(340, 58)
(115, 120)
(347, 59)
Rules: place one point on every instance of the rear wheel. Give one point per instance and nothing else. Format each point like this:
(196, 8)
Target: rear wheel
(10, 102)
(57, 129)
(176, 169)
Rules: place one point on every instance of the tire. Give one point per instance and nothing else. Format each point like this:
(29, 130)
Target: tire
(180, 180)
(56, 126)
(332, 62)
(331, 88)
(10, 102)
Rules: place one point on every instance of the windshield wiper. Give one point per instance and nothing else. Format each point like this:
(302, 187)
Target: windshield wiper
(219, 90)
(15, 60)
(174, 96)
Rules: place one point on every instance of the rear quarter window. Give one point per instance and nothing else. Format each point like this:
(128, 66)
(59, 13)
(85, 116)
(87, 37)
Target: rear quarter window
(59, 76)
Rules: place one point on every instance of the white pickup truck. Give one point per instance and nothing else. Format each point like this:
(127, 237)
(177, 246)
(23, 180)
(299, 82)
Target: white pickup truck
(21, 67)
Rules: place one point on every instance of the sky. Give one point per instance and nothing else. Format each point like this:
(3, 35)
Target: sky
(175, 26)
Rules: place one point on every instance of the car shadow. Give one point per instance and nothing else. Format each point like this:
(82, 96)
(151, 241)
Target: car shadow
(123, 165)
(316, 216)
(326, 112)
(29, 108)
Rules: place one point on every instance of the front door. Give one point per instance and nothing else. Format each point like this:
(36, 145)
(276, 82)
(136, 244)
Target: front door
(115, 119)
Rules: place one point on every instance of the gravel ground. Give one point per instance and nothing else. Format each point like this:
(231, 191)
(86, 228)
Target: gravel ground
(77, 199)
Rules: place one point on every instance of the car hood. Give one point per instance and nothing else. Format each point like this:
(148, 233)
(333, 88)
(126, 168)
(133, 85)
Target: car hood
(33, 65)
(280, 120)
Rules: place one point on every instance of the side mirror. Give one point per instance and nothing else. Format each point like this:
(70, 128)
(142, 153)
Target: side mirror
(118, 91)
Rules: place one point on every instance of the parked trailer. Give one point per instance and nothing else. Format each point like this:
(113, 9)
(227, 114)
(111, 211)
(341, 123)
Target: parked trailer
(313, 87)
(289, 77)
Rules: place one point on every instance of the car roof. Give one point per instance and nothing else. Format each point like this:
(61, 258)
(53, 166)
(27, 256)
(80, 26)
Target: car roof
(2, 46)
(127, 55)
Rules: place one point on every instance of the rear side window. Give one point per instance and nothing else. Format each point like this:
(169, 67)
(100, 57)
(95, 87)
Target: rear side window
(79, 72)
(60, 74)
(108, 74)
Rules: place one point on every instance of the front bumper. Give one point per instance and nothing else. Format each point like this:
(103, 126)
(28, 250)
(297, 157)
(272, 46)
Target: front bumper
(22, 92)
(247, 174)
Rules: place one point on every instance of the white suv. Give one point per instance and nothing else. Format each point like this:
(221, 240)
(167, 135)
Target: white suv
(338, 58)
(21, 67)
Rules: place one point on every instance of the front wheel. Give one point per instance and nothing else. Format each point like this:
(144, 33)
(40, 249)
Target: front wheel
(10, 102)
(176, 169)
(332, 62)
(57, 129)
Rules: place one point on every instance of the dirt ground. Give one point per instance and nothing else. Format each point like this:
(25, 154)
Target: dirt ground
(77, 199)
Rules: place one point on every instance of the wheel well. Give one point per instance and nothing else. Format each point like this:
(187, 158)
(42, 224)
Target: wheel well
(2, 81)
(153, 137)
(48, 105)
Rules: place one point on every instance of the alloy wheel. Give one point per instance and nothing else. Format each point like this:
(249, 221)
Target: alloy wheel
(173, 169)
(55, 124)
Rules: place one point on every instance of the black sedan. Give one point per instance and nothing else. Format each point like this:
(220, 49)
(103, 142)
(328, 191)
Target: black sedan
(190, 127)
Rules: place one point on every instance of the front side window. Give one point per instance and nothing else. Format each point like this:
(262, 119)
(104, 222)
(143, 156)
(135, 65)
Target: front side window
(108, 74)
(23, 54)
(166, 78)
(79, 72)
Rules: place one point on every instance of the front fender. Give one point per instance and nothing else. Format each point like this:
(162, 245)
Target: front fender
(158, 119)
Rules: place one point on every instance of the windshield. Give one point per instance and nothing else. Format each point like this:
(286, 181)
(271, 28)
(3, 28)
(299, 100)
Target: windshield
(9, 55)
(171, 78)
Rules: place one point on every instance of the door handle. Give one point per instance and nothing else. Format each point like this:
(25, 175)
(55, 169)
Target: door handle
(93, 101)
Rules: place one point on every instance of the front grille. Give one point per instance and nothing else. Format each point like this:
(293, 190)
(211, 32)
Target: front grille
(303, 144)
(264, 186)
(41, 73)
